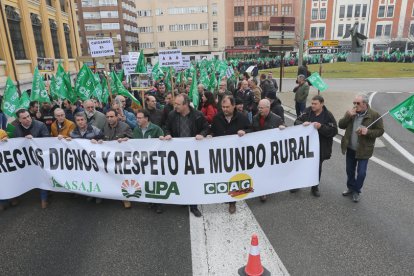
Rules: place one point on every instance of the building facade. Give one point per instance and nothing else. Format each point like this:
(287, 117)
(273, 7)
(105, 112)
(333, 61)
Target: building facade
(388, 24)
(195, 26)
(32, 29)
(116, 19)
(248, 23)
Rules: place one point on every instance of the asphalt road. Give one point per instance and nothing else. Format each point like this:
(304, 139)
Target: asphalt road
(329, 235)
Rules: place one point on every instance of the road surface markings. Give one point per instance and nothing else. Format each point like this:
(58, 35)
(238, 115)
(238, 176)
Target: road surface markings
(220, 242)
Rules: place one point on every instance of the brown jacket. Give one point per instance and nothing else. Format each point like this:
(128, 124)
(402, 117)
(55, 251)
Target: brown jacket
(2, 134)
(68, 127)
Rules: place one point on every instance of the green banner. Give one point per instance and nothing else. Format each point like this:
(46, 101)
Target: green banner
(403, 113)
(317, 82)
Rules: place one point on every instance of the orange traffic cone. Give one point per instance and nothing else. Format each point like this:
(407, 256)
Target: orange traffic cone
(254, 265)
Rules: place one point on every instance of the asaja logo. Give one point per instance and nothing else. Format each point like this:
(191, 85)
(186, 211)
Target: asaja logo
(79, 186)
(131, 188)
(239, 186)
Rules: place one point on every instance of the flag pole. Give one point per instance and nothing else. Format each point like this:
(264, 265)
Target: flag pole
(378, 118)
(109, 87)
(172, 84)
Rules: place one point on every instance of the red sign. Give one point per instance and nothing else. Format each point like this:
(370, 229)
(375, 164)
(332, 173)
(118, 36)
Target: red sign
(282, 20)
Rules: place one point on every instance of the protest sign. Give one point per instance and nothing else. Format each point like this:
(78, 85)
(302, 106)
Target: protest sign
(171, 58)
(101, 47)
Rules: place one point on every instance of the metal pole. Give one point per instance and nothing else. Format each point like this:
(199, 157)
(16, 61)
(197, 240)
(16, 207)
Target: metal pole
(302, 32)
(282, 54)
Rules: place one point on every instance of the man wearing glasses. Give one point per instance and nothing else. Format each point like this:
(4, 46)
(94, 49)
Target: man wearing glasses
(362, 126)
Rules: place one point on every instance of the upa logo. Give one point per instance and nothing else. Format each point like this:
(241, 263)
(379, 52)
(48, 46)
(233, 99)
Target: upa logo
(239, 186)
(131, 188)
(160, 189)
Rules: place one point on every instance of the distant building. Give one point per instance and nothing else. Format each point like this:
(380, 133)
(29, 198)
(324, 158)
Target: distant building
(108, 18)
(36, 29)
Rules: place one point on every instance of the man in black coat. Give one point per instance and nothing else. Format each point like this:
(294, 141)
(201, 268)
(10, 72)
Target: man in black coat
(227, 122)
(185, 121)
(323, 120)
(30, 128)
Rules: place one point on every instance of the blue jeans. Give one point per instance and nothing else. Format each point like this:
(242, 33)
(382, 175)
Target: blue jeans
(358, 165)
(43, 194)
(300, 107)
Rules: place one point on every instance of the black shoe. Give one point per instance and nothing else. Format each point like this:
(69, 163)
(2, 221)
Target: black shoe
(315, 191)
(355, 197)
(293, 191)
(347, 192)
(195, 211)
(159, 210)
(263, 198)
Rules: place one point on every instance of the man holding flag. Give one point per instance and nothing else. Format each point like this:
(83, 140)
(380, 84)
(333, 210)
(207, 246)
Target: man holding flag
(362, 126)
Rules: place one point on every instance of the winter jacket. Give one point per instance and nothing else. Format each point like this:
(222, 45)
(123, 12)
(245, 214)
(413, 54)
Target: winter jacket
(209, 112)
(92, 132)
(271, 121)
(302, 93)
(121, 130)
(267, 87)
(366, 143)
(68, 127)
(277, 108)
(98, 120)
(37, 129)
(199, 125)
(2, 134)
(220, 126)
(153, 131)
(327, 131)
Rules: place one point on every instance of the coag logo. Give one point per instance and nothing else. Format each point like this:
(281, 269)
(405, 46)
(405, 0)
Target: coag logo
(239, 186)
(131, 188)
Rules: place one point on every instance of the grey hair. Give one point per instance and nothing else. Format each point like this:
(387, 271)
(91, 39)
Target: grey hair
(81, 114)
(302, 77)
(364, 98)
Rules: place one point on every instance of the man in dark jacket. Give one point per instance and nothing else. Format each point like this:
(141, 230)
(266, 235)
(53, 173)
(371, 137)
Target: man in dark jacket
(276, 105)
(246, 94)
(229, 122)
(323, 120)
(362, 127)
(265, 119)
(185, 121)
(30, 128)
(267, 86)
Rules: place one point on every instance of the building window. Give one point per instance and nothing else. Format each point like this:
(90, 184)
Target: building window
(158, 12)
(13, 20)
(286, 9)
(215, 26)
(381, 11)
(203, 26)
(357, 10)
(63, 5)
(340, 30)
(239, 11)
(37, 32)
(341, 11)
(362, 28)
(364, 10)
(144, 13)
(314, 14)
(313, 32)
(239, 41)
(67, 40)
(160, 28)
(215, 42)
(161, 44)
(322, 13)
(412, 29)
(214, 9)
(321, 32)
(256, 26)
(55, 40)
(239, 26)
(378, 31)
(387, 30)
(49, 3)
(347, 27)
(204, 42)
(349, 11)
(390, 11)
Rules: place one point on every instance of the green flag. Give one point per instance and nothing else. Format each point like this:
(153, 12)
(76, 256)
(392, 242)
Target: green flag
(193, 94)
(317, 82)
(24, 100)
(39, 92)
(141, 68)
(52, 88)
(403, 113)
(11, 100)
(119, 89)
(84, 86)
(61, 88)
(105, 91)
(213, 83)
(70, 96)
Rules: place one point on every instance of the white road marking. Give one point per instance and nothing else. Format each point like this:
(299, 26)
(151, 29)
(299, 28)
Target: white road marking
(220, 242)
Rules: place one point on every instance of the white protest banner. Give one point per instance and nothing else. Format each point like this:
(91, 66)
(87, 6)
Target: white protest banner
(169, 58)
(125, 58)
(101, 47)
(229, 72)
(180, 171)
(129, 67)
(133, 57)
